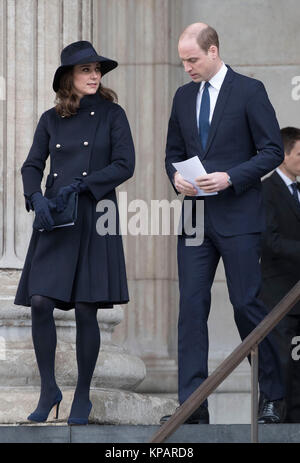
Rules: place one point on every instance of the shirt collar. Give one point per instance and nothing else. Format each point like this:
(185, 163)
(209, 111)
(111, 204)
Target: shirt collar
(284, 177)
(217, 80)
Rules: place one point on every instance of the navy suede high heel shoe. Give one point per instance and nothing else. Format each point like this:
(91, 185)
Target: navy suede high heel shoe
(82, 420)
(41, 417)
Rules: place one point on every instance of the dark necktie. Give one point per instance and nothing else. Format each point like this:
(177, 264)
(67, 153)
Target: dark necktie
(295, 192)
(204, 115)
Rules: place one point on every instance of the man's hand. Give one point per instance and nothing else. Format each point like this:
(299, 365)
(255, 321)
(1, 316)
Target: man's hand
(214, 182)
(183, 186)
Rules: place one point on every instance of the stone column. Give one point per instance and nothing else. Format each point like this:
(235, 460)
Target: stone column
(32, 34)
(142, 36)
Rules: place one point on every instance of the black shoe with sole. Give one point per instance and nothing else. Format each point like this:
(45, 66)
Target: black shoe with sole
(271, 411)
(200, 416)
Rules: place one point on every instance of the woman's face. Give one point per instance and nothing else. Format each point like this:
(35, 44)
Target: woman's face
(86, 78)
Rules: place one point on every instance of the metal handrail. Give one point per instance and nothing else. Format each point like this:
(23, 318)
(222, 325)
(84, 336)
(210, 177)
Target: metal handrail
(249, 345)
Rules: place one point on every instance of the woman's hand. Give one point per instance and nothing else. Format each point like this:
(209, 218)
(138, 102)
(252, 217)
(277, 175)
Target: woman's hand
(42, 207)
(64, 192)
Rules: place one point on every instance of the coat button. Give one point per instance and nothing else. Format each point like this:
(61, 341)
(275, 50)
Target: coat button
(86, 143)
(55, 174)
(92, 113)
(58, 145)
(84, 173)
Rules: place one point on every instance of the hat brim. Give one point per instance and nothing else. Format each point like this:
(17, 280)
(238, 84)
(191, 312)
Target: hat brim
(107, 65)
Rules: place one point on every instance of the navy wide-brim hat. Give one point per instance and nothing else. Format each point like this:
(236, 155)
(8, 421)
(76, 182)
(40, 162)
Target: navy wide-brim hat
(81, 52)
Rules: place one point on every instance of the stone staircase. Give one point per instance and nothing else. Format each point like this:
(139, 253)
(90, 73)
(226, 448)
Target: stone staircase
(95, 433)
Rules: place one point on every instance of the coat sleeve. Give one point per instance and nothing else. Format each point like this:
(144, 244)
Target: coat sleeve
(266, 136)
(122, 164)
(175, 147)
(33, 168)
(278, 245)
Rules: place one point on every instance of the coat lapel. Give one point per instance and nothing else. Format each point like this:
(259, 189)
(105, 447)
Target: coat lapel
(288, 198)
(220, 106)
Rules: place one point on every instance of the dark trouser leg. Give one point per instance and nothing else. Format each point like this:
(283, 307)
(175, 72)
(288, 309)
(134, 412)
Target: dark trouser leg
(87, 350)
(284, 332)
(44, 341)
(241, 261)
(196, 267)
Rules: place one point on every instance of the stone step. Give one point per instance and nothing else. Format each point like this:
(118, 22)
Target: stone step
(214, 433)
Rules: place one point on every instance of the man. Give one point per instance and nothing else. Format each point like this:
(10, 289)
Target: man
(228, 121)
(281, 260)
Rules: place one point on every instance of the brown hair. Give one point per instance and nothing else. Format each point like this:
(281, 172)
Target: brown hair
(290, 135)
(67, 101)
(208, 37)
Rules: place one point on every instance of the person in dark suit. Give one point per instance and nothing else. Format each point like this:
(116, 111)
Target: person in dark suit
(91, 151)
(280, 260)
(227, 120)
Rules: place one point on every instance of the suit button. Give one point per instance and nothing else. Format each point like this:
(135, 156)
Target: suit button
(58, 145)
(86, 143)
(84, 173)
(55, 174)
(92, 113)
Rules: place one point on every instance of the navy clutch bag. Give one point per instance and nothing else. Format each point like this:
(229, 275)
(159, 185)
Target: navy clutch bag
(68, 216)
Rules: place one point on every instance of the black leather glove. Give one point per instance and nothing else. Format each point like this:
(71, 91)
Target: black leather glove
(64, 192)
(42, 207)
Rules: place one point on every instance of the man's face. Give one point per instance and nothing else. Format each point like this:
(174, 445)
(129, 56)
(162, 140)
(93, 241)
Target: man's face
(292, 160)
(197, 63)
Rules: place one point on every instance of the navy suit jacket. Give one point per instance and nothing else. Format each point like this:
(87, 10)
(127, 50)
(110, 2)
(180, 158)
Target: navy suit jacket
(244, 140)
(280, 259)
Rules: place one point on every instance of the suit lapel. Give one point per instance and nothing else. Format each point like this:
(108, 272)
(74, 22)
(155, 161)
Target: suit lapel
(220, 106)
(279, 183)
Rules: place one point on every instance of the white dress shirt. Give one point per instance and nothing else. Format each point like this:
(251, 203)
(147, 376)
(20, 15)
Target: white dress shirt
(215, 84)
(287, 181)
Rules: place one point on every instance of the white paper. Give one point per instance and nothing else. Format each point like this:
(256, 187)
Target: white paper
(190, 170)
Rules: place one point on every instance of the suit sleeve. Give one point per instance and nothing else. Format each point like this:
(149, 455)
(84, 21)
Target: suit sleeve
(278, 245)
(122, 164)
(33, 168)
(266, 136)
(175, 147)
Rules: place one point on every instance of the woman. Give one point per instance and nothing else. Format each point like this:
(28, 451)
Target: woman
(91, 152)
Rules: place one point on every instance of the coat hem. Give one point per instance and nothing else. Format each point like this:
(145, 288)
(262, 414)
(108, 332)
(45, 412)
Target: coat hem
(69, 305)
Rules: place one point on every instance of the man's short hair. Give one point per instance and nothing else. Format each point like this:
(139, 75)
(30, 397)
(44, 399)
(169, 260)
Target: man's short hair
(208, 37)
(290, 135)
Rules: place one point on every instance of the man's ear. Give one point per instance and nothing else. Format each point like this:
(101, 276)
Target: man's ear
(213, 51)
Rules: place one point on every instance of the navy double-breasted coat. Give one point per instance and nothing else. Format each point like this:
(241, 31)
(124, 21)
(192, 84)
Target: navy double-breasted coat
(76, 263)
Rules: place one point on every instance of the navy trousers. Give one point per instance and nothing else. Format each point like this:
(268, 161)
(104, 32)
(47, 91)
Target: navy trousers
(196, 267)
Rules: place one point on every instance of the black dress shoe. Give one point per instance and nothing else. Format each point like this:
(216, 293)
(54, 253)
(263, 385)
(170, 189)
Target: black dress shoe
(200, 416)
(271, 411)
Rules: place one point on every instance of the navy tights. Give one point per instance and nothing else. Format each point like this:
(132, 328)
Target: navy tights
(87, 350)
